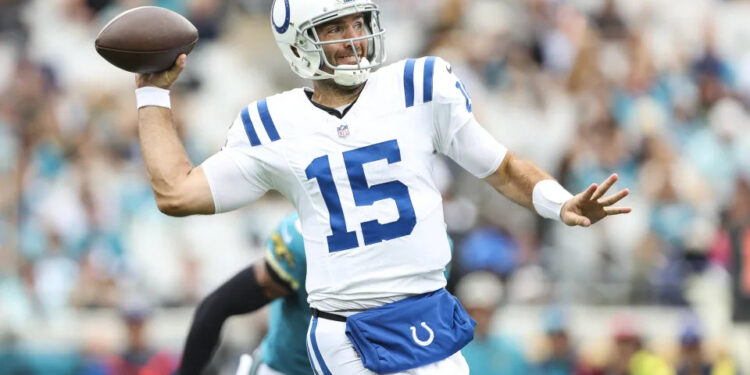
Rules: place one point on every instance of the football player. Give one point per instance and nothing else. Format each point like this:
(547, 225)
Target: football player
(354, 156)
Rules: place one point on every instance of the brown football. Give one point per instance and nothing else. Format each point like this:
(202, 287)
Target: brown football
(146, 39)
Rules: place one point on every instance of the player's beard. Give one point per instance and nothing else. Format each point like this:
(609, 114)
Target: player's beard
(341, 90)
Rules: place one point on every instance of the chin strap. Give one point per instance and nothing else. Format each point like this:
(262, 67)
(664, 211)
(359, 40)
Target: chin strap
(352, 77)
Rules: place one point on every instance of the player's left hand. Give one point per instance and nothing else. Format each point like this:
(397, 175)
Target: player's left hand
(590, 206)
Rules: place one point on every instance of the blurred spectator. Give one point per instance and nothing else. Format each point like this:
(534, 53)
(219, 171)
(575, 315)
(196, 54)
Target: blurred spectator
(693, 359)
(609, 21)
(630, 357)
(710, 66)
(481, 293)
(560, 356)
(139, 358)
(735, 215)
(54, 277)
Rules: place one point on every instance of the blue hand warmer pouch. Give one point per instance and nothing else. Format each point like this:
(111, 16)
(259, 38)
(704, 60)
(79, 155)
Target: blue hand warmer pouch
(410, 333)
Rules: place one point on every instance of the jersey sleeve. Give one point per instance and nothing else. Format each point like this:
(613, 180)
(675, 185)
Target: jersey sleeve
(236, 174)
(457, 133)
(285, 253)
(474, 149)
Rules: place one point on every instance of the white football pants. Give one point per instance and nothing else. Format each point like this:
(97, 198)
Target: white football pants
(331, 353)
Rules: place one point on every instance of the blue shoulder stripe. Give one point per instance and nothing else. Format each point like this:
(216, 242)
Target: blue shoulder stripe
(409, 82)
(429, 69)
(265, 117)
(249, 129)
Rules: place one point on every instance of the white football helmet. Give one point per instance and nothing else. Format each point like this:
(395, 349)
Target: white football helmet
(293, 23)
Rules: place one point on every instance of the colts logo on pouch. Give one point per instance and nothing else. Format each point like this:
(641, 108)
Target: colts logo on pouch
(343, 130)
(422, 342)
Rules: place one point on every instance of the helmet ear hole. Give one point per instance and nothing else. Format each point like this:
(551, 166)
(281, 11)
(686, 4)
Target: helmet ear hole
(294, 50)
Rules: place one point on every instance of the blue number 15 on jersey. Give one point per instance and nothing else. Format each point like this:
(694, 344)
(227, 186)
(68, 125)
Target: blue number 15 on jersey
(364, 195)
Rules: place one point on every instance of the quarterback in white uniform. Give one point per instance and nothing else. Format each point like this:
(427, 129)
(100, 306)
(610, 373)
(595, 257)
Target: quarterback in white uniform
(370, 211)
(354, 155)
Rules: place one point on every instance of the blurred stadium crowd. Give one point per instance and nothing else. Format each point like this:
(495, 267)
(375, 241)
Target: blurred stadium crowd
(655, 90)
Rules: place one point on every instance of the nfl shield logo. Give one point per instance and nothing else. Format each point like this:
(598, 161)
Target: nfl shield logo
(343, 130)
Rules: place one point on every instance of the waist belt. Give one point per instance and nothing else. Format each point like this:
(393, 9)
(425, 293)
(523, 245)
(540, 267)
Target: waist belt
(326, 315)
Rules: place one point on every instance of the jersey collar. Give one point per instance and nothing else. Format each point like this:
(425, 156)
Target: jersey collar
(331, 111)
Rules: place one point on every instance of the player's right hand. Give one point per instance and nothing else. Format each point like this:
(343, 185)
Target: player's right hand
(164, 79)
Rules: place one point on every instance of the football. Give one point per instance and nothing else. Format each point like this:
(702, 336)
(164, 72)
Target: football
(146, 39)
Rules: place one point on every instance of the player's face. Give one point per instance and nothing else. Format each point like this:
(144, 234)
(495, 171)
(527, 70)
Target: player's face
(346, 27)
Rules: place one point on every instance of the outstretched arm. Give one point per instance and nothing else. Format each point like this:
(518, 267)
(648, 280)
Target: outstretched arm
(526, 184)
(180, 189)
(249, 290)
(459, 136)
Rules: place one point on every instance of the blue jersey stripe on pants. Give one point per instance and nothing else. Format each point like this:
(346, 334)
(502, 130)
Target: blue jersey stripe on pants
(314, 343)
(312, 362)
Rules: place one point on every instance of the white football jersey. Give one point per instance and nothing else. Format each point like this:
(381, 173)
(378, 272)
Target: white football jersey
(371, 214)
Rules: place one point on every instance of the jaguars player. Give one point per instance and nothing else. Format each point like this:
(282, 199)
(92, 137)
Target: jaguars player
(354, 154)
(278, 277)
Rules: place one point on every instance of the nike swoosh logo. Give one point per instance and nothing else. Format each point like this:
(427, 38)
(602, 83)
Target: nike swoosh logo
(449, 68)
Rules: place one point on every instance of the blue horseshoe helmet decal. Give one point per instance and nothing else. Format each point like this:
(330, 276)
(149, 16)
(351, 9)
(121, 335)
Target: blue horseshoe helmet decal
(281, 29)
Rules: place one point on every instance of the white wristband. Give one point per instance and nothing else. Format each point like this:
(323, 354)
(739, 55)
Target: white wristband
(152, 96)
(548, 197)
